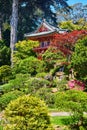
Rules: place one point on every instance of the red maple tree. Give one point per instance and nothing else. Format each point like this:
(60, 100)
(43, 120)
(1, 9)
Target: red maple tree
(65, 42)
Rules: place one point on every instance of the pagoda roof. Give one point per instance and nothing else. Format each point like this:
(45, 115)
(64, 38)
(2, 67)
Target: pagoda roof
(44, 29)
(39, 34)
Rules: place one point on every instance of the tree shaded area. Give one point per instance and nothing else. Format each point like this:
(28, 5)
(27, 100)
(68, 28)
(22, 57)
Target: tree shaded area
(30, 13)
(4, 54)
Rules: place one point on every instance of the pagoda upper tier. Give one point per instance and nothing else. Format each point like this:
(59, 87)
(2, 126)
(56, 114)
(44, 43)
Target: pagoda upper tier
(45, 34)
(44, 29)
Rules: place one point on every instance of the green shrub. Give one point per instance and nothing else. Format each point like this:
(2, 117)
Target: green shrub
(24, 49)
(51, 57)
(5, 88)
(46, 95)
(5, 73)
(4, 53)
(36, 83)
(41, 75)
(74, 101)
(27, 113)
(79, 60)
(19, 83)
(71, 100)
(6, 98)
(30, 66)
(61, 85)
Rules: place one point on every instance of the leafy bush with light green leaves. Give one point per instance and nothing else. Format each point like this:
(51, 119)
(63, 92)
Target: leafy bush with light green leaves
(27, 113)
(30, 66)
(24, 49)
(19, 83)
(51, 57)
(5, 88)
(74, 101)
(7, 97)
(41, 75)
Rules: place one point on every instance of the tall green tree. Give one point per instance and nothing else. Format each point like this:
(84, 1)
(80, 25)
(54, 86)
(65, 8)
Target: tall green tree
(81, 24)
(79, 59)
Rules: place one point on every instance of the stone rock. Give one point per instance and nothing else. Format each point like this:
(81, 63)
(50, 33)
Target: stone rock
(54, 90)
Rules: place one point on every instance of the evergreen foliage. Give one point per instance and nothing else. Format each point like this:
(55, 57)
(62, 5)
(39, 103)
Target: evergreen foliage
(7, 97)
(4, 53)
(30, 66)
(5, 73)
(79, 59)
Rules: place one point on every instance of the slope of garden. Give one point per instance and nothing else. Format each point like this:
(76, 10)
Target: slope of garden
(59, 78)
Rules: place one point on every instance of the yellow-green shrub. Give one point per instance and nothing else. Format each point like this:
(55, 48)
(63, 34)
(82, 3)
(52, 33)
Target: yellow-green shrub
(27, 113)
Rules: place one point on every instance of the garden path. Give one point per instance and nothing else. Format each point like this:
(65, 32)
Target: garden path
(59, 113)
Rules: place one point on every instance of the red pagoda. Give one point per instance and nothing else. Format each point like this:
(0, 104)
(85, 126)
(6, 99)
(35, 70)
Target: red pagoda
(45, 35)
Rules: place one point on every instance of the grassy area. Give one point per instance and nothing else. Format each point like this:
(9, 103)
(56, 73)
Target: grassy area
(61, 120)
(1, 128)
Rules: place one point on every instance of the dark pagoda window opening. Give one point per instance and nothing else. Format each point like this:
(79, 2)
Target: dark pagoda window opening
(45, 44)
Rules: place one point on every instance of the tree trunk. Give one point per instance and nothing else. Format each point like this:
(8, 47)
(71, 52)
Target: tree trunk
(14, 23)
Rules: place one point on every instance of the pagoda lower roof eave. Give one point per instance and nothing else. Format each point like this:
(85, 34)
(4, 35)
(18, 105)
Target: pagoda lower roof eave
(40, 33)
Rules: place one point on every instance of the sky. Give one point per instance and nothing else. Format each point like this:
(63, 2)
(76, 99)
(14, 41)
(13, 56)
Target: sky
(71, 2)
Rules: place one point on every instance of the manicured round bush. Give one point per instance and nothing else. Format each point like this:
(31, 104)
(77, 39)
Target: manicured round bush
(30, 65)
(7, 97)
(27, 113)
